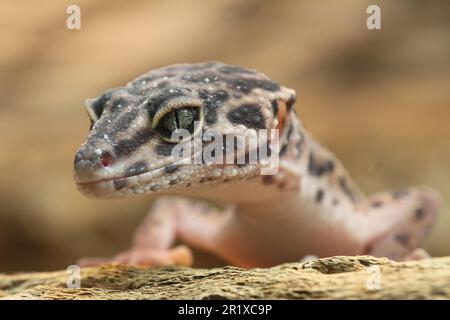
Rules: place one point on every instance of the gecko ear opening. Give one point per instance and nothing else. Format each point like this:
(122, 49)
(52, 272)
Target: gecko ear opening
(283, 108)
(281, 116)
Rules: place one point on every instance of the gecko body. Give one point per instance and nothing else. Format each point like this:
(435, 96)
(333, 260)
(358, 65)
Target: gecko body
(310, 206)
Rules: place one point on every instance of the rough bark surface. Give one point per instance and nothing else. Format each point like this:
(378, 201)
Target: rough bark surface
(340, 277)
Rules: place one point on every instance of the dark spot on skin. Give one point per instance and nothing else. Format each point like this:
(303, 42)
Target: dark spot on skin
(234, 69)
(282, 185)
(155, 103)
(290, 103)
(289, 132)
(275, 108)
(247, 85)
(403, 239)
(118, 104)
(335, 202)
(118, 125)
(283, 149)
(299, 148)
(419, 213)
(135, 90)
(268, 180)
(344, 186)
(171, 168)
(137, 168)
(210, 116)
(164, 149)
(128, 146)
(119, 184)
(212, 101)
(397, 194)
(376, 204)
(174, 181)
(317, 168)
(319, 196)
(162, 84)
(206, 76)
(249, 115)
(145, 79)
(155, 187)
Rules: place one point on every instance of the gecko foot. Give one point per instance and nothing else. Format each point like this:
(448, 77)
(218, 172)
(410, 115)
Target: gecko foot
(417, 254)
(180, 255)
(406, 218)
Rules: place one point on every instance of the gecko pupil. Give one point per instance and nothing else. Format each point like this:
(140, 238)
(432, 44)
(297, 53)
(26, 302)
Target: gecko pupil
(182, 118)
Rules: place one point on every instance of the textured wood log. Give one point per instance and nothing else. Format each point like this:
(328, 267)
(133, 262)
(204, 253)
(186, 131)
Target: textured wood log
(361, 277)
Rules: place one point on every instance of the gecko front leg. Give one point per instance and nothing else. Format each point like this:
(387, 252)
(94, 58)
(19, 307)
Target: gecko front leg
(399, 221)
(170, 219)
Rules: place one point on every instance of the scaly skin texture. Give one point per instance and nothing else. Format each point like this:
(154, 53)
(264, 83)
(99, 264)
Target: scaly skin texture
(309, 207)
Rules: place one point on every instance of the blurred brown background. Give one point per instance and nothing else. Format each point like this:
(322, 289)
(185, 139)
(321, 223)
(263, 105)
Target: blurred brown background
(379, 99)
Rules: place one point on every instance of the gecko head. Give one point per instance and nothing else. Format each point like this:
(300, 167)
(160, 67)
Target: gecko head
(181, 126)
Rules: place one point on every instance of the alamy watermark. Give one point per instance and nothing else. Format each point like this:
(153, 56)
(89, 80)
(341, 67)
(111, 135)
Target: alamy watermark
(373, 282)
(73, 280)
(73, 21)
(373, 22)
(245, 147)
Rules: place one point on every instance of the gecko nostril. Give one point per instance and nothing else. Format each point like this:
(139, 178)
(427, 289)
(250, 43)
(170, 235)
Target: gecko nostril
(78, 157)
(106, 159)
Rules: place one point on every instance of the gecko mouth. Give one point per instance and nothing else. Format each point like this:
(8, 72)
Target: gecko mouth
(154, 173)
(137, 172)
(140, 182)
(125, 185)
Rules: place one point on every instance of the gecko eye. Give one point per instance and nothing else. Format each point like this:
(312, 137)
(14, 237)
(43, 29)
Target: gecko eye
(177, 119)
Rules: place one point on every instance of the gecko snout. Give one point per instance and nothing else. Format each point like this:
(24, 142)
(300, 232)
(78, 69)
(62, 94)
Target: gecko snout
(90, 164)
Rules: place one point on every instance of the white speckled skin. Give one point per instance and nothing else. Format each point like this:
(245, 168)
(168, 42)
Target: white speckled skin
(310, 207)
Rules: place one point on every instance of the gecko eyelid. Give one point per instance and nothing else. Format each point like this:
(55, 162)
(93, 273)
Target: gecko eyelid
(182, 118)
(178, 113)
